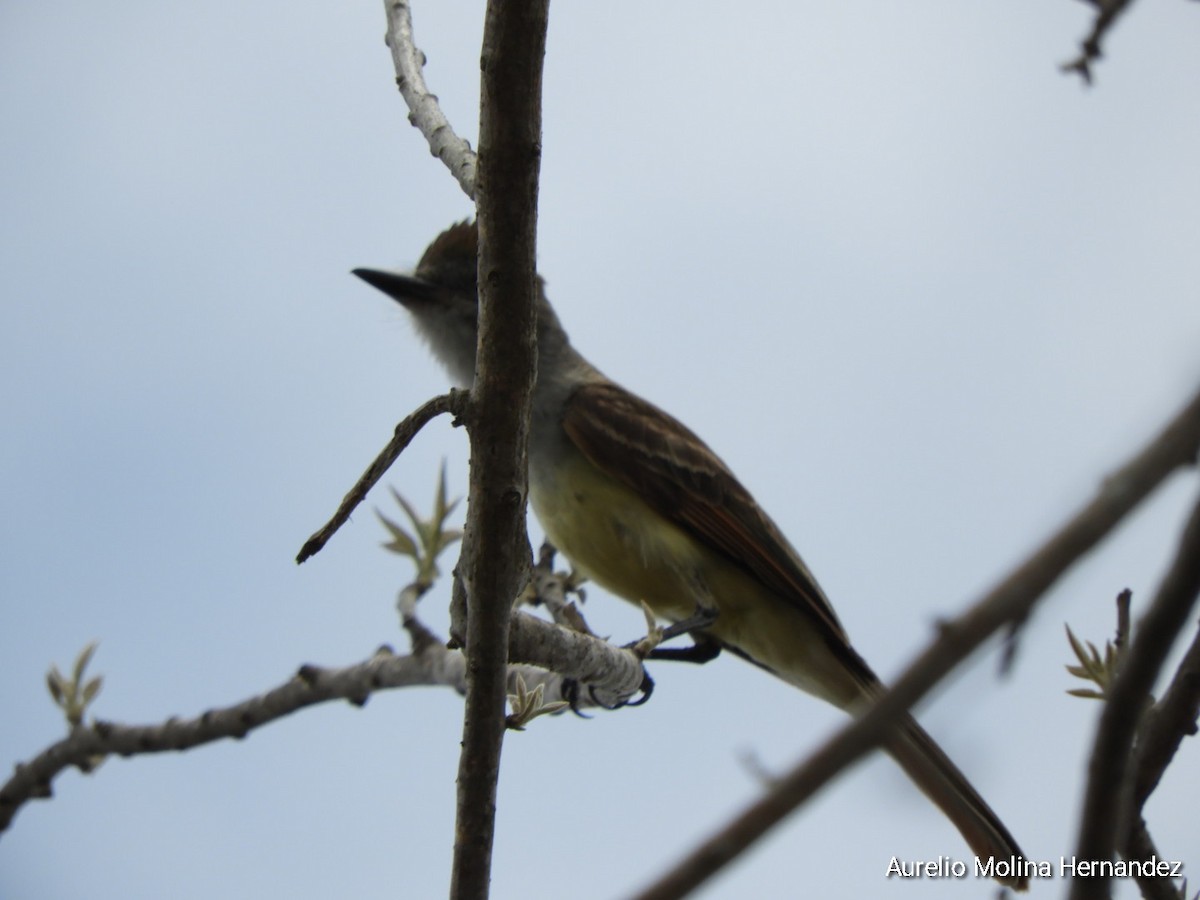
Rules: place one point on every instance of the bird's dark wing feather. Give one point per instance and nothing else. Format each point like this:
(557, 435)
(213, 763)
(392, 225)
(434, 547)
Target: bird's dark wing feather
(684, 481)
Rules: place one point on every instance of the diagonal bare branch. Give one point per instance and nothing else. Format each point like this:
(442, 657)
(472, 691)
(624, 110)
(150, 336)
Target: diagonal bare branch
(424, 111)
(310, 685)
(455, 402)
(1010, 601)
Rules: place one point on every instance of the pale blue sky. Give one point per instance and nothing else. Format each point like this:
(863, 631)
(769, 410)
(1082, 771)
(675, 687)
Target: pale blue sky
(919, 289)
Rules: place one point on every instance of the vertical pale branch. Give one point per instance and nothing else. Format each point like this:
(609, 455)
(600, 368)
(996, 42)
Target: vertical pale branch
(496, 555)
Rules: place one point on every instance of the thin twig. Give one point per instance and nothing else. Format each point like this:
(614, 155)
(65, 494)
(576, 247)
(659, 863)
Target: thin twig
(1109, 10)
(549, 589)
(1011, 600)
(424, 111)
(1109, 799)
(454, 402)
(1121, 640)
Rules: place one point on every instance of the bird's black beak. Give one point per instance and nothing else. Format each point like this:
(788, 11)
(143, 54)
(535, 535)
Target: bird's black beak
(404, 289)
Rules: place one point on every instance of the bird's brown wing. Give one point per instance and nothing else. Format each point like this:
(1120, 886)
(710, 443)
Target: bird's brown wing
(684, 481)
(687, 484)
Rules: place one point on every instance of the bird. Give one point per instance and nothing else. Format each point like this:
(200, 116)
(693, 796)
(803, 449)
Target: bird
(641, 506)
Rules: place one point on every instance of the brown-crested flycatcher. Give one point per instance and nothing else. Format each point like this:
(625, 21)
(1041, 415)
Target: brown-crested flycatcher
(644, 508)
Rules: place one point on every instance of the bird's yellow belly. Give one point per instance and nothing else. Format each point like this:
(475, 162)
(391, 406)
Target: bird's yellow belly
(614, 538)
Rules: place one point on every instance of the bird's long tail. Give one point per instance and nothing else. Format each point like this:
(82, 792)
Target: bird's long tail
(941, 781)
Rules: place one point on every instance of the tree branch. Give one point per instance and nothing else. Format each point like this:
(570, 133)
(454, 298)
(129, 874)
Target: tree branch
(496, 555)
(1010, 601)
(556, 658)
(1167, 723)
(87, 744)
(1109, 806)
(1140, 846)
(1109, 10)
(613, 674)
(454, 402)
(424, 111)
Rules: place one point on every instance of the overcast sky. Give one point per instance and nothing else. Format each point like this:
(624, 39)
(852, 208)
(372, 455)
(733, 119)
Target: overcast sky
(918, 288)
